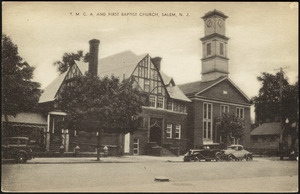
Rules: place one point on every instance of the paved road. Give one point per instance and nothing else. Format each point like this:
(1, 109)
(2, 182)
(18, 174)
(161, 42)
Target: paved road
(138, 173)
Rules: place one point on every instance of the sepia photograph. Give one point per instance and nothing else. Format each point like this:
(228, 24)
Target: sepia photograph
(149, 97)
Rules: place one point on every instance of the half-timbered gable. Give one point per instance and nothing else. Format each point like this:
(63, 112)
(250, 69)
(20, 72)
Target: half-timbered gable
(148, 79)
(72, 72)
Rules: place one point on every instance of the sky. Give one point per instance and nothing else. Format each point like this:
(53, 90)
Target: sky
(263, 36)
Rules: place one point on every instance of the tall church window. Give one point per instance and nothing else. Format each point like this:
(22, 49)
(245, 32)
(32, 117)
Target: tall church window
(221, 49)
(207, 120)
(208, 49)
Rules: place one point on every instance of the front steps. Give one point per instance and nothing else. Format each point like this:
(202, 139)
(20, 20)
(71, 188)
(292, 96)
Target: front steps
(165, 150)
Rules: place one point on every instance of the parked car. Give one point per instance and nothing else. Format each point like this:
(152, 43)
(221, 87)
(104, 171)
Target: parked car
(206, 152)
(234, 152)
(17, 149)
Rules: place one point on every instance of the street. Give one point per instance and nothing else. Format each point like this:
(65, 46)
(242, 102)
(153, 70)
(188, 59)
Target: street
(137, 173)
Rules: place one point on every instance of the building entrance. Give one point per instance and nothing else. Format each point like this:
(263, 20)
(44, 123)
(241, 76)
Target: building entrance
(155, 130)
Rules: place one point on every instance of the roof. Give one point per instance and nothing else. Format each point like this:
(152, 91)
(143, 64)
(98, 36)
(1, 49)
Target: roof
(166, 79)
(173, 90)
(50, 91)
(83, 66)
(176, 93)
(214, 12)
(25, 117)
(267, 129)
(198, 87)
(195, 87)
(119, 65)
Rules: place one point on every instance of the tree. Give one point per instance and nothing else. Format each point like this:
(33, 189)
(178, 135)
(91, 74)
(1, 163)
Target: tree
(19, 92)
(268, 103)
(94, 104)
(230, 125)
(68, 60)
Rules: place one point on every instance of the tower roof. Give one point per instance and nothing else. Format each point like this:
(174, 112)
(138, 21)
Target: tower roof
(214, 12)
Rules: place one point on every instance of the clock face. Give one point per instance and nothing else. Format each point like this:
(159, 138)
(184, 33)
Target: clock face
(209, 23)
(220, 22)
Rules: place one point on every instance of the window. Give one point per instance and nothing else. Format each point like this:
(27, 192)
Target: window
(176, 106)
(221, 49)
(23, 141)
(136, 146)
(178, 132)
(170, 105)
(207, 121)
(208, 49)
(169, 131)
(13, 141)
(224, 109)
(180, 107)
(240, 113)
(152, 101)
(160, 102)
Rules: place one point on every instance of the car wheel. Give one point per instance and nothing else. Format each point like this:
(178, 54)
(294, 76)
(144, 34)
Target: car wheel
(230, 158)
(218, 157)
(21, 158)
(249, 158)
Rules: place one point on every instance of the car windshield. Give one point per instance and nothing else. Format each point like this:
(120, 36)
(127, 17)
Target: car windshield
(235, 147)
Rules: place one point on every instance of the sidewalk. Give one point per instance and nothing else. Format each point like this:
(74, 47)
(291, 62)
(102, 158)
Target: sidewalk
(121, 159)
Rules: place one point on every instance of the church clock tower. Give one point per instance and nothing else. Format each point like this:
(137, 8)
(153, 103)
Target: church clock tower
(214, 46)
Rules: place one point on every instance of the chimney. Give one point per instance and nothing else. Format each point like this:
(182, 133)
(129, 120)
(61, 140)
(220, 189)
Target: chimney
(156, 61)
(93, 60)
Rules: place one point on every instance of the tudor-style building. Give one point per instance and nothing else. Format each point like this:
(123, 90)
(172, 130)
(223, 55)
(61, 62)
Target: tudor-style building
(216, 93)
(164, 114)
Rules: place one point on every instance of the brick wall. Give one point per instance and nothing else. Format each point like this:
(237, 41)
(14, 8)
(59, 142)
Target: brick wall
(196, 115)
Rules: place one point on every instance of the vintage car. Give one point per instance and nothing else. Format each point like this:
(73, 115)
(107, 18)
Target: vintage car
(17, 149)
(234, 152)
(206, 152)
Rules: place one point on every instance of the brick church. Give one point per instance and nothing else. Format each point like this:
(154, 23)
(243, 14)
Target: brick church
(215, 93)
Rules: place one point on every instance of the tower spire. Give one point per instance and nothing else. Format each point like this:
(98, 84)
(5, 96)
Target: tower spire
(214, 46)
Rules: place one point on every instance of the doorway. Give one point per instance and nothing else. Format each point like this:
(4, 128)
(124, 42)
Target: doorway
(127, 143)
(155, 130)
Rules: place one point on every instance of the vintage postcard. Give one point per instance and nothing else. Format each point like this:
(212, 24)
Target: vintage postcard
(194, 95)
